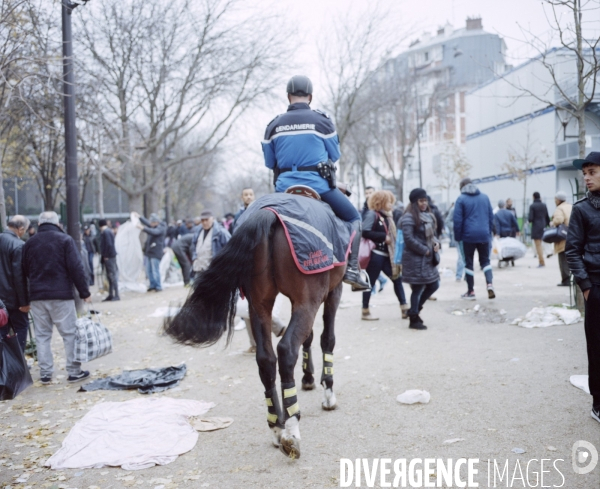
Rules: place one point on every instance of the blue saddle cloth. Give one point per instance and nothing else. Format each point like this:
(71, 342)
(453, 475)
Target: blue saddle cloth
(318, 240)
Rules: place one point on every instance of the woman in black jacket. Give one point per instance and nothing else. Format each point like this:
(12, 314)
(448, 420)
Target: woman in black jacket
(420, 248)
(379, 227)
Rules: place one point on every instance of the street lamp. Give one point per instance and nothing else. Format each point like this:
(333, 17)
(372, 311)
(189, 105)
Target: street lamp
(70, 129)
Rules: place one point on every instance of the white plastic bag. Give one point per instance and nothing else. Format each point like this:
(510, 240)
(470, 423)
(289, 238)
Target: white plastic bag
(511, 248)
(414, 396)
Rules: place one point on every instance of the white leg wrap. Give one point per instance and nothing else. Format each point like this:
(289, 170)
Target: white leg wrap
(276, 436)
(292, 428)
(329, 400)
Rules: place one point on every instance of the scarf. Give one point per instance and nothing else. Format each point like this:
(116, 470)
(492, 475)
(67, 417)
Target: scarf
(429, 223)
(594, 198)
(391, 232)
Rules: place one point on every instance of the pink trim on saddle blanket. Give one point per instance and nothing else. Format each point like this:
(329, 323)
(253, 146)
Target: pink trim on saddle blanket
(293, 251)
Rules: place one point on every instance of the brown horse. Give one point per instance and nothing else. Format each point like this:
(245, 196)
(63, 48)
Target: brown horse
(257, 261)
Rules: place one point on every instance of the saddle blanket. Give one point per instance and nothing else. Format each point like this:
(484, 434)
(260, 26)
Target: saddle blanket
(318, 240)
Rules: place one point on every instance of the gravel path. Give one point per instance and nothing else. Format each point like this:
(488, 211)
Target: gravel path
(493, 385)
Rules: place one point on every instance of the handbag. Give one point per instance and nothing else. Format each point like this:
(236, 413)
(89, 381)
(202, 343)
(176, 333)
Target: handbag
(14, 373)
(435, 258)
(92, 339)
(555, 235)
(364, 252)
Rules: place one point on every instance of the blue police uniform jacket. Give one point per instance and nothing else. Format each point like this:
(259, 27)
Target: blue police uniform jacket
(299, 138)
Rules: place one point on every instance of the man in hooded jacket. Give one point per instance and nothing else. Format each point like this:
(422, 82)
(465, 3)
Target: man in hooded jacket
(473, 228)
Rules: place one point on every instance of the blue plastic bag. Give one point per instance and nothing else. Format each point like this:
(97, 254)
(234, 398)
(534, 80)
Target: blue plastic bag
(399, 247)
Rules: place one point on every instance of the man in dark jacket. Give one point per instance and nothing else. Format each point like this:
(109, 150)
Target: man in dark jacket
(505, 222)
(473, 227)
(89, 249)
(52, 264)
(108, 255)
(247, 198)
(583, 256)
(182, 248)
(539, 219)
(13, 286)
(155, 243)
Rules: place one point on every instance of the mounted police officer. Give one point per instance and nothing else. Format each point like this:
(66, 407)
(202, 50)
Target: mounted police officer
(301, 147)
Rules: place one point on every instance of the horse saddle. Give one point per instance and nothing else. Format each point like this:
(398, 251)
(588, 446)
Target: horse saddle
(306, 191)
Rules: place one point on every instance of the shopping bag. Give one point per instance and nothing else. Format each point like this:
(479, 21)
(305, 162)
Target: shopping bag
(14, 374)
(92, 340)
(399, 247)
(364, 252)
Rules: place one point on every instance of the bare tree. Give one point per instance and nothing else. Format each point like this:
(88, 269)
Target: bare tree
(522, 160)
(571, 91)
(352, 58)
(167, 71)
(453, 168)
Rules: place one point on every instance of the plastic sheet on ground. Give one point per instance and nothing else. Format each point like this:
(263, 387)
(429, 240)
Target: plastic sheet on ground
(170, 271)
(414, 396)
(135, 434)
(581, 382)
(542, 317)
(211, 424)
(164, 312)
(130, 258)
(146, 381)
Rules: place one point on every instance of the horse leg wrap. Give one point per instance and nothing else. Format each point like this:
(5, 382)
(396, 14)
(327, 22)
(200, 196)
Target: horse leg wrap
(290, 400)
(307, 362)
(327, 375)
(274, 413)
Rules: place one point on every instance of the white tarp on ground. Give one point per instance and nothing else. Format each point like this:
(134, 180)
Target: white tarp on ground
(170, 271)
(130, 258)
(581, 382)
(135, 434)
(542, 317)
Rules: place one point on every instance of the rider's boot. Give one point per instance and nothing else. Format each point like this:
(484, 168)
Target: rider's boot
(352, 275)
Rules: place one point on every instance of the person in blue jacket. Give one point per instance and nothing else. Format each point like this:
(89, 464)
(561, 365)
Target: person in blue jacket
(473, 228)
(505, 222)
(301, 146)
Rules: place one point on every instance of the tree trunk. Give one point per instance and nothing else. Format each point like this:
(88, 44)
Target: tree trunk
(2, 200)
(136, 203)
(100, 194)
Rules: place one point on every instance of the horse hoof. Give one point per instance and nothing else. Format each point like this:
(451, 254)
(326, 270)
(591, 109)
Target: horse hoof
(329, 401)
(308, 387)
(290, 447)
(328, 407)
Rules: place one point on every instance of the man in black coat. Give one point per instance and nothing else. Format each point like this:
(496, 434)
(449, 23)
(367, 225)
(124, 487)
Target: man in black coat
(583, 256)
(52, 264)
(183, 250)
(13, 286)
(539, 219)
(108, 255)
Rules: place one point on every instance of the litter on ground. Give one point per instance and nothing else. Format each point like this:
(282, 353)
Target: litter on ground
(211, 424)
(414, 396)
(581, 382)
(164, 312)
(542, 317)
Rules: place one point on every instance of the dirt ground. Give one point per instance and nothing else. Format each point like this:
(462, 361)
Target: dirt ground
(494, 386)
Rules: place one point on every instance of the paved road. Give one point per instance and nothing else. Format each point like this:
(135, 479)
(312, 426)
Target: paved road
(495, 386)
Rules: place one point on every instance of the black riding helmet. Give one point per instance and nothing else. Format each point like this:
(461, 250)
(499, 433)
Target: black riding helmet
(299, 85)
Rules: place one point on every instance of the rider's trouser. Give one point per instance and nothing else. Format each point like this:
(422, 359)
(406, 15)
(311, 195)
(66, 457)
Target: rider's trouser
(340, 205)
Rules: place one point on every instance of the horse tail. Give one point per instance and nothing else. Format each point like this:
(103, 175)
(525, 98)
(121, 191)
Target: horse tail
(210, 308)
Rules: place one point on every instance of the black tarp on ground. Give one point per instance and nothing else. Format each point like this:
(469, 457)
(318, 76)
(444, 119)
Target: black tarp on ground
(146, 381)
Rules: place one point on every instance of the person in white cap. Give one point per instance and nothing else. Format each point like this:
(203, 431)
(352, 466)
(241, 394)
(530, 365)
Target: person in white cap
(562, 215)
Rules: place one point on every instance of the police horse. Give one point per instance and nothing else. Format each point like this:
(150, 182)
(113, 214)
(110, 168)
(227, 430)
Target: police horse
(259, 262)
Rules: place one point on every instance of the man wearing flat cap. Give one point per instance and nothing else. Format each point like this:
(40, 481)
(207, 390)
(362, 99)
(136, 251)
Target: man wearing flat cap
(155, 243)
(209, 239)
(562, 215)
(583, 256)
